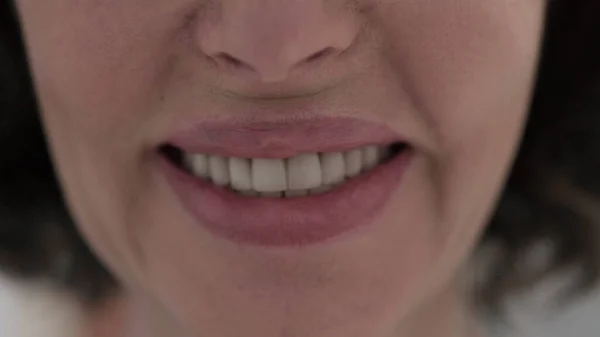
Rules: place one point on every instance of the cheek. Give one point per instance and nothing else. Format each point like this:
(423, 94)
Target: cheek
(469, 73)
(470, 70)
(99, 66)
(98, 70)
(96, 73)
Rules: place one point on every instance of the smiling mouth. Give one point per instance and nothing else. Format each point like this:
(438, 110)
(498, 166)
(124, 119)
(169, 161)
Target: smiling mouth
(289, 182)
(309, 173)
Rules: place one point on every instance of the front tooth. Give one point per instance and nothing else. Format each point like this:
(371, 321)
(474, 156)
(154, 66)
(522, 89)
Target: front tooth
(303, 171)
(240, 174)
(249, 193)
(353, 161)
(370, 156)
(219, 170)
(295, 193)
(268, 175)
(198, 163)
(333, 168)
(320, 189)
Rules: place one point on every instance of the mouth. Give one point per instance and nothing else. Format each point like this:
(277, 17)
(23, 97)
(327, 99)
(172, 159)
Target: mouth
(284, 184)
(305, 174)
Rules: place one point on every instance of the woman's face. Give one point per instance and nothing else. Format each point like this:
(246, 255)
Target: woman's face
(119, 79)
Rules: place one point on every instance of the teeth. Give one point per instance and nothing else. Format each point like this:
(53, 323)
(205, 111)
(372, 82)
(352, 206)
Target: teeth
(219, 170)
(249, 193)
(320, 189)
(198, 164)
(240, 174)
(354, 162)
(370, 156)
(304, 174)
(268, 175)
(333, 168)
(295, 193)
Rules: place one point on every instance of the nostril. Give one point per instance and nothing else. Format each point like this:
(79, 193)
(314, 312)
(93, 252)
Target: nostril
(320, 54)
(235, 62)
(231, 60)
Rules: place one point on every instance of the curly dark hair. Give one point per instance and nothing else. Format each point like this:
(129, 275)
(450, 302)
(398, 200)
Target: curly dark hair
(551, 197)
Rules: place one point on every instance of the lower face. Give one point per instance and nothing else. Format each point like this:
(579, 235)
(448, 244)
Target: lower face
(338, 204)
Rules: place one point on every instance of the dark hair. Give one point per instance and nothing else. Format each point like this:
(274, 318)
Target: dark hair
(551, 198)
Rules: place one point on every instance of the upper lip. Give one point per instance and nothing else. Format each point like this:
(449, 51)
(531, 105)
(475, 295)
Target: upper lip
(280, 138)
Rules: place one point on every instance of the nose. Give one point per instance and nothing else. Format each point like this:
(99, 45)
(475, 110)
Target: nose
(269, 39)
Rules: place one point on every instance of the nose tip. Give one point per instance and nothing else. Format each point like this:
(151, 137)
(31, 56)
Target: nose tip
(274, 39)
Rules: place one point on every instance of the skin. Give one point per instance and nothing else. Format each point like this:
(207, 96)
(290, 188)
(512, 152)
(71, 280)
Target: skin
(114, 78)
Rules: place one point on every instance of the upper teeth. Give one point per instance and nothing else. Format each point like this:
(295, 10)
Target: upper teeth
(295, 176)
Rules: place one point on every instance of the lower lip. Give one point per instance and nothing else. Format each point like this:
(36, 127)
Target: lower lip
(296, 221)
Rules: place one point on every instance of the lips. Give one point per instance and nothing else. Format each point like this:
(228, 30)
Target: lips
(266, 183)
